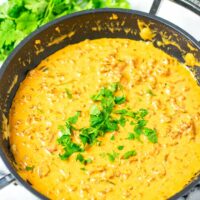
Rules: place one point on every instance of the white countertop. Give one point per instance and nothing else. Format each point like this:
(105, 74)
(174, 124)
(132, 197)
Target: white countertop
(174, 13)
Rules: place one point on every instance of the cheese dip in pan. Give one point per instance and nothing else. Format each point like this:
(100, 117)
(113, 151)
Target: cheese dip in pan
(107, 119)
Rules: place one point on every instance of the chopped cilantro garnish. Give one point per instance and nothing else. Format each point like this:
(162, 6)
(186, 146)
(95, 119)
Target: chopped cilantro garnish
(74, 119)
(28, 168)
(81, 159)
(83, 168)
(94, 110)
(69, 94)
(151, 135)
(112, 156)
(122, 121)
(69, 149)
(131, 136)
(129, 154)
(120, 147)
(120, 99)
(112, 137)
(150, 92)
(65, 140)
(104, 118)
(101, 120)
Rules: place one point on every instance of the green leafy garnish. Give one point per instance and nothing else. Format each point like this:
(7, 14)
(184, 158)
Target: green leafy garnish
(28, 168)
(101, 120)
(129, 154)
(65, 140)
(120, 147)
(151, 135)
(69, 94)
(18, 18)
(139, 124)
(104, 118)
(82, 160)
(131, 136)
(112, 156)
(69, 149)
(94, 110)
(150, 92)
(122, 121)
(120, 99)
(74, 119)
(112, 137)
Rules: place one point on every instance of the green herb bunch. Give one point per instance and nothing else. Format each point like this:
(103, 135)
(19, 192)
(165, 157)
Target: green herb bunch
(18, 18)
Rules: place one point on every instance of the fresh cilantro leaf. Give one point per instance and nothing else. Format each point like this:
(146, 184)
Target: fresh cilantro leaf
(69, 94)
(112, 137)
(111, 125)
(129, 154)
(28, 168)
(94, 110)
(112, 156)
(150, 92)
(27, 22)
(83, 168)
(122, 111)
(141, 123)
(114, 3)
(7, 39)
(81, 159)
(131, 136)
(65, 130)
(64, 140)
(120, 147)
(74, 119)
(114, 87)
(15, 8)
(69, 149)
(151, 135)
(108, 104)
(122, 121)
(120, 99)
(85, 135)
(28, 15)
(89, 135)
(97, 120)
(36, 6)
(138, 131)
(104, 92)
(143, 112)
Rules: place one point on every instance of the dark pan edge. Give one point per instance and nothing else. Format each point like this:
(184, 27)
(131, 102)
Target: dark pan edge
(77, 14)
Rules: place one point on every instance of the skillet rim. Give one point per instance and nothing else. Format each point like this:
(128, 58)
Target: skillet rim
(79, 14)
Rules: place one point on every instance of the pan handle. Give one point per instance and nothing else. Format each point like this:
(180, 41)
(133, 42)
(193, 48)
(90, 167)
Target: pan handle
(154, 7)
(6, 180)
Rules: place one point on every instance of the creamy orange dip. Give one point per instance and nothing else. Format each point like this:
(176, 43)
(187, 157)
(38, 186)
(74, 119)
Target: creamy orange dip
(151, 80)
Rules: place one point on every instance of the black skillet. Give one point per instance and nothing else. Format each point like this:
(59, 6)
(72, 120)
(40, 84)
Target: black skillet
(86, 25)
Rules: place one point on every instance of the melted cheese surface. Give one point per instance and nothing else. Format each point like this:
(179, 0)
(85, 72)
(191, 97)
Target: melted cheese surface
(41, 104)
